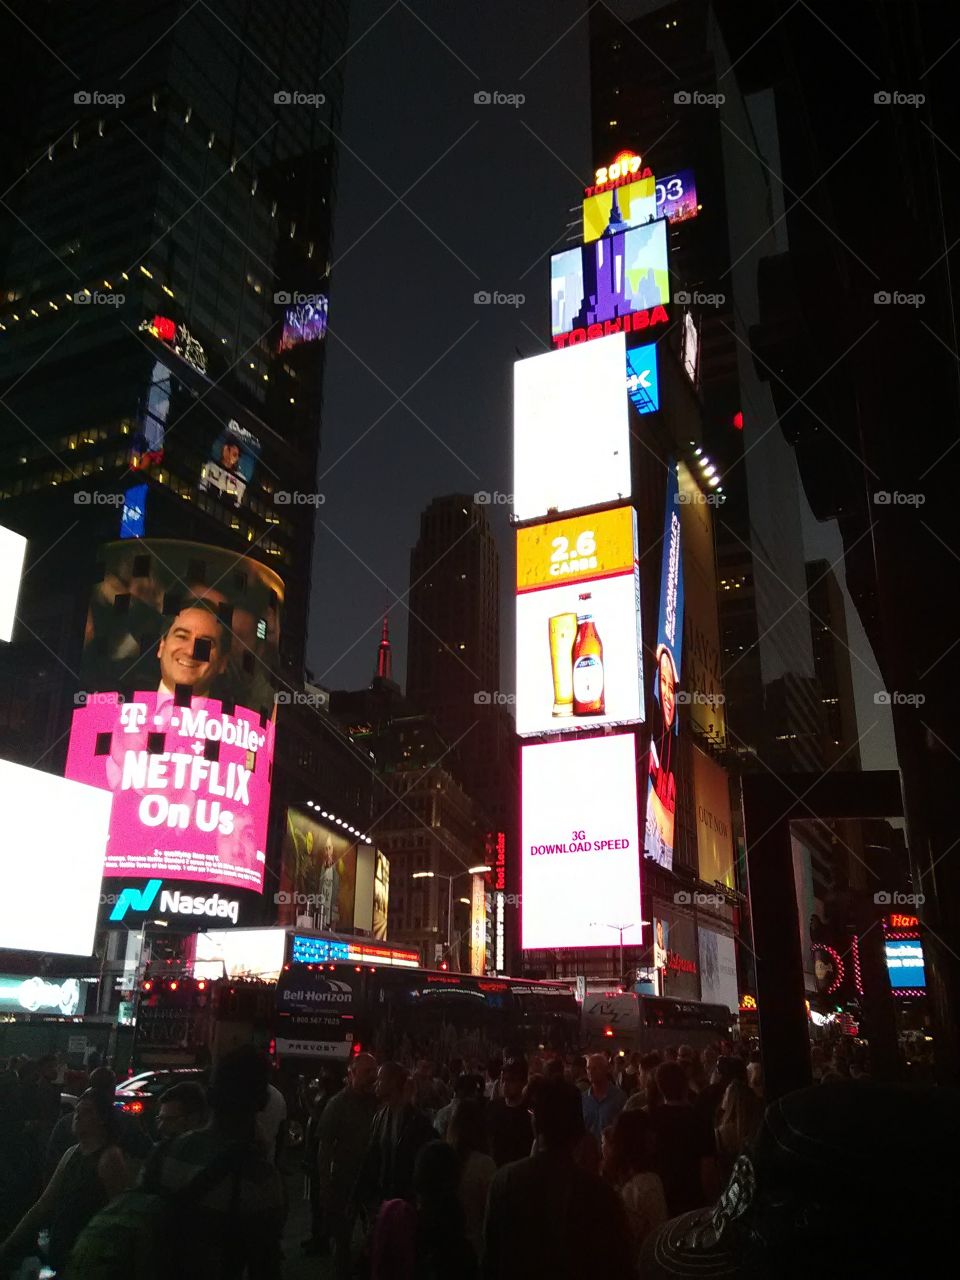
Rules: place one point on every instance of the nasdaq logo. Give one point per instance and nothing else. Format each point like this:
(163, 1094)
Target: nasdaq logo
(643, 386)
(139, 899)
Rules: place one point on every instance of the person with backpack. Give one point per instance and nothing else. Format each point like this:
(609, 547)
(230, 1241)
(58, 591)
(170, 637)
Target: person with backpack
(210, 1204)
(90, 1174)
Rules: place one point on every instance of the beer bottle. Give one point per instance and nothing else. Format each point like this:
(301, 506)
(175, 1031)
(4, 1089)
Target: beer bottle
(587, 664)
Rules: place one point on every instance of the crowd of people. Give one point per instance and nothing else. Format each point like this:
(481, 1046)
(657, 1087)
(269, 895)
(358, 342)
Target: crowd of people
(545, 1164)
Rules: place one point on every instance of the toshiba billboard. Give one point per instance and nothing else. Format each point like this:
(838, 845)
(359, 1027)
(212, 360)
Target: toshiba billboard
(580, 842)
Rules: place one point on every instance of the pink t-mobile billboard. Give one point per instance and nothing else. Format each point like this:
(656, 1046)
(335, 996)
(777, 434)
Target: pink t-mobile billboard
(190, 785)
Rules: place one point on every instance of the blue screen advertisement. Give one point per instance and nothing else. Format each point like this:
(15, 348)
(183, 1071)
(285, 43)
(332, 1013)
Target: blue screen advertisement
(643, 386)
(905, 963)
(677, 196)
(658, 842)
(133, 521)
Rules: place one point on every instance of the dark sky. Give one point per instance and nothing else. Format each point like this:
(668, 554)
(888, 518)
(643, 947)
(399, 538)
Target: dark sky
(485, 190)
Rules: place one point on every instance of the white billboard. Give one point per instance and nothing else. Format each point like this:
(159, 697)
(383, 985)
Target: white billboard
(580, 859)
(240, 953)
(13, 549)
(718, 969)
(54, 838)
(571, 434)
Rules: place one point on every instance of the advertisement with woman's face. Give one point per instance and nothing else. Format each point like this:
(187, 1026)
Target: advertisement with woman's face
(659, 831)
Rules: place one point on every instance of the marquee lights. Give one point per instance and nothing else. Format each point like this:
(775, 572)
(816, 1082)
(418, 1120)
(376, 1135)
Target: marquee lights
(341, 822)
(626, 166)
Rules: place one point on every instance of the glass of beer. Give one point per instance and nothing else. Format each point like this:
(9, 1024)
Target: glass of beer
(563, 633)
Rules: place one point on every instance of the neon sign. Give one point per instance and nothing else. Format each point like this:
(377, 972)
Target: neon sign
(179, 337)
(620, 324)
(897, 921)
(626, 166)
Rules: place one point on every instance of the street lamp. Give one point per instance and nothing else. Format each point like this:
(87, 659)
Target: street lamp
(439, 875)
(621, 929)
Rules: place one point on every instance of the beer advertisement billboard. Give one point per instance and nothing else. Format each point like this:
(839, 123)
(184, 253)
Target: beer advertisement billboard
(607, 212)
(715, 854)
(702, 656)
(609, 279)
(663, 756)
(571, 433)
(578, 624)
(580, 852)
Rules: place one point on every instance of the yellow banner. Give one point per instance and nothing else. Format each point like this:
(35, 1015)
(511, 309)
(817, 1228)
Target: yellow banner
(577, 549)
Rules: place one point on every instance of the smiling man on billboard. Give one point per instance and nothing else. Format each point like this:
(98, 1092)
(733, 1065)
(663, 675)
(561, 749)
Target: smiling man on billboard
(194, 650)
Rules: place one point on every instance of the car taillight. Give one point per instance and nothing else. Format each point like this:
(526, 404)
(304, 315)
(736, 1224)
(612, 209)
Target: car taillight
(134, 1108)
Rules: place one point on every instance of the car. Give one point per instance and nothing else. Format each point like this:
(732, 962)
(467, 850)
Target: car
(139, 1095)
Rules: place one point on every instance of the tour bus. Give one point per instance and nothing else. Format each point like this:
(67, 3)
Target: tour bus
(627, 1022)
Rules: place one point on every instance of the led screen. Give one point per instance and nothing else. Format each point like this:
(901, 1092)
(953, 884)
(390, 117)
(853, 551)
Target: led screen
(608, 278)
(166, 613)
(318, 875)
(190, 785)
(66, 997)
(643, 385)
(54, 835)
(13, 549)
(677, 196)
(905, 963)
(718, 969)
(133, 521)
(580, 844)
(608, 212)
(240, 953)
(571, 434)
(304, 322)
(233, 458)
(662, 786)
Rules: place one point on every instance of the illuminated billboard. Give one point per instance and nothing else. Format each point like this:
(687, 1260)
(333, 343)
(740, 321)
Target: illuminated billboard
(240, 953)
(304, 322)
(643, 384)
(676, 197)
(571, 432)
(67, 998)
(718, 969)
(167, 613)
(619, 208)
(133, 520)
(578, 624)
(905, 963)
(609, 279)
(381, 896)
(711, 792)
(703, 659)
(54, 835)
(233, 458)
(13, 550)
(190, 785)
(658, 841)
(319, 876)
(579, 841)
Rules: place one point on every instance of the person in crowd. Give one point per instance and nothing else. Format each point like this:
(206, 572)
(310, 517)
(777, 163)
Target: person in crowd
(741, 1113)
(131, 1136)
(647, 1094)
(689, 1059)
(315, 1099)
(89, 1174)
(429, 1093)
(46, 1098)
(709, 1058)
(425, 1239)
(629, 1080)
(539, 1208)
(509, 1124)
(468, 1137)
(181, 1109)
(466, 1085)
(553, 1068)
(578, 1072)
(271, 1123)
(684, 1143)
(709, 1101)
(670, 1053)
(343, 1136)
(628, 1166)
(398, 1131)
(236, 1221)
(755, 1077)
(492, 1079)
(604, 1100)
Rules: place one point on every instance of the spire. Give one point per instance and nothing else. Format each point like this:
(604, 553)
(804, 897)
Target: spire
(384, 655)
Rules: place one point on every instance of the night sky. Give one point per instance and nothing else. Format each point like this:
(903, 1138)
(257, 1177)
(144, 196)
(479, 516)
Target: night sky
(487, 189)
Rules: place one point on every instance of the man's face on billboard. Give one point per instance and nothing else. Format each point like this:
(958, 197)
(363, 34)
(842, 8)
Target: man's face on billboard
(668, 690)
(192, 652)
(229, 455)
